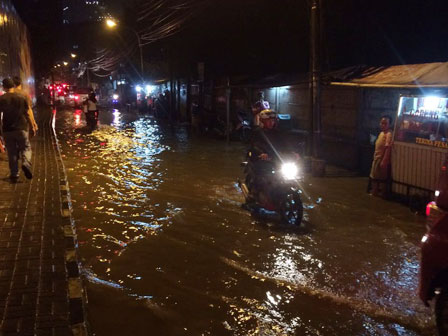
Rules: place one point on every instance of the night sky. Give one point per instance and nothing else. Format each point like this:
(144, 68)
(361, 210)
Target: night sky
(267, 36)
(43, 19)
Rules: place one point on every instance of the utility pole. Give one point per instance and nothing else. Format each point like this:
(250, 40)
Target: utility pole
(315, 75)
(53, 90)
(228, 93)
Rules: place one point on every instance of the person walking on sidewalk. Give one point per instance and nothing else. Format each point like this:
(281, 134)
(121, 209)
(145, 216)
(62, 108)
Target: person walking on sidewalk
(17, 124)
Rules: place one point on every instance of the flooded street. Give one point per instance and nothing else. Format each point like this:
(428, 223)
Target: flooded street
(168, 250)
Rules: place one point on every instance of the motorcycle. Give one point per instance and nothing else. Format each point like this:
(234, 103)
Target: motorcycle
(115, 100)
(274, 186)
(243, 127)
(240, 130)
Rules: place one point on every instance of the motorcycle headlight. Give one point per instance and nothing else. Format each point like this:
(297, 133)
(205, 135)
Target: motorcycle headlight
(289, 170)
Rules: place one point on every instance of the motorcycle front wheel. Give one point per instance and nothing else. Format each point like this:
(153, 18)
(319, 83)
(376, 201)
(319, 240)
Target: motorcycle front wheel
(292, 209)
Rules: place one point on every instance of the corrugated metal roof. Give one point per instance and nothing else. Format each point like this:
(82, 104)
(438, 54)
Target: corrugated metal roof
(413, 75)
(276, 80)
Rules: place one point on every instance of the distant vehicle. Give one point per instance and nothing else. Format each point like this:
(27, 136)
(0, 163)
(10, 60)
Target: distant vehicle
(60, 91)
(433, 282)
(77, 96)
(115, 100)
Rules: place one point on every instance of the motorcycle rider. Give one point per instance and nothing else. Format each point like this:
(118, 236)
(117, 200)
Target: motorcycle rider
(91, 110)
(267, 144)
(259, 106)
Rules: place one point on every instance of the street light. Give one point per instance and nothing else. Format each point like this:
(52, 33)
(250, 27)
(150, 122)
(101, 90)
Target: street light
(110, 23)
(65, 63)
(73, 55)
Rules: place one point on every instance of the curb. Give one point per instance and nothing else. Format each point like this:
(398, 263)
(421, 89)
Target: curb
(77, 294)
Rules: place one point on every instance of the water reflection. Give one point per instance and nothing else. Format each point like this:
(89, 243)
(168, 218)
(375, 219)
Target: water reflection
(116, 168)
(117, 117)
(77, 117)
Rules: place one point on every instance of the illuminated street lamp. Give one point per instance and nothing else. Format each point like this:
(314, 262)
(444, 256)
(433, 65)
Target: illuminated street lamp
(73, 55)
(65, 63)
(110, 23)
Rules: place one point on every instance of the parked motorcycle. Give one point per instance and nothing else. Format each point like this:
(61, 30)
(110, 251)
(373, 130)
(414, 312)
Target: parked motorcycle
(240, 130)
(243, 128)
(274, 185)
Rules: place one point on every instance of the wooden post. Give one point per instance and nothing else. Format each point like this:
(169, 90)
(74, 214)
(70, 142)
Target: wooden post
(178, 103)
(315, 78)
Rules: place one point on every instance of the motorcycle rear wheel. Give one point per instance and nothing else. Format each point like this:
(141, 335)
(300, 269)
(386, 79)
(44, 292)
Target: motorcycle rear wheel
(292, 209)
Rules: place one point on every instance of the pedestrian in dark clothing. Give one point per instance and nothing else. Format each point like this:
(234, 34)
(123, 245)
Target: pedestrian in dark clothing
(17, 125)
(161, 107)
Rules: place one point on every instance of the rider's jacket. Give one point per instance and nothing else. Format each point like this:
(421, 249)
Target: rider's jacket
(273, 142)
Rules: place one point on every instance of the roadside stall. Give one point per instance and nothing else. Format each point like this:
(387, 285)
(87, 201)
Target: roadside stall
(420, 145)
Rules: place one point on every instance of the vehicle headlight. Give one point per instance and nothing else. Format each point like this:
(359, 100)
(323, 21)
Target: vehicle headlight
(115, 96)
(289, 170)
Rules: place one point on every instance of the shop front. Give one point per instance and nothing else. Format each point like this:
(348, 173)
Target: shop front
(420, 145)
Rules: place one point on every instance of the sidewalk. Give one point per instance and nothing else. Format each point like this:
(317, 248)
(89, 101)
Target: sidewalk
(40, 289)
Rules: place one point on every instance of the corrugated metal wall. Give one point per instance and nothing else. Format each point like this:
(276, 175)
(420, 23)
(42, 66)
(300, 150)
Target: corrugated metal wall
(416, 165)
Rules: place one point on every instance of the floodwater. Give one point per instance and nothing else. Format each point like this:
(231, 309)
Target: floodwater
(168, 250)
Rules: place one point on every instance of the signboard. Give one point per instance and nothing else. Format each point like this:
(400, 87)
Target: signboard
(432, 143)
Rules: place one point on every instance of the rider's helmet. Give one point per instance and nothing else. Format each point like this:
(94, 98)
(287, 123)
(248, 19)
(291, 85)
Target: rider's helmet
(268, 119)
